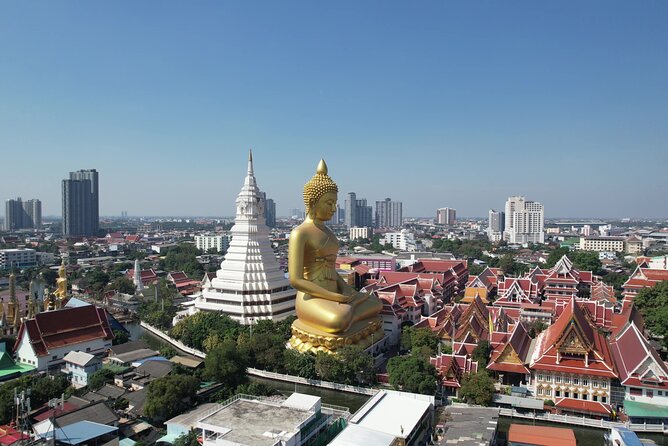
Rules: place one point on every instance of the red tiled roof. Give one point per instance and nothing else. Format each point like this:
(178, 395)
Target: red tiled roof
(60, 410)
(634, 355)
(68, 326)
(600, 361)
(583, 406)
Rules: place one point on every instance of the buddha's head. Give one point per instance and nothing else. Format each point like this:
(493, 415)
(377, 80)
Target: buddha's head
(320, 194)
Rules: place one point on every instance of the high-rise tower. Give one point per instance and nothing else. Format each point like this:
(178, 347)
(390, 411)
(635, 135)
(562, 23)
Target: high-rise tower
(81, 209)
(389, 214)
(524, 221)
(250, 284)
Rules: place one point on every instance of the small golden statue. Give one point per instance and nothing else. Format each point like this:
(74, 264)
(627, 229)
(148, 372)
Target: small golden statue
(61, 282)
(330, 314)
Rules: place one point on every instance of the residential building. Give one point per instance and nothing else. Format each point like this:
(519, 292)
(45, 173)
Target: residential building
(269, 207)
(219, 242)
(379, 262)
(524, 221)
(446, 216)
(496, 225)
(358, 213)
(633, 245)
(602, 244)
(250, 284)
(403, 240)
(17, 258)
(21, 214)
(81, 213)
(389, 214)
(44, 341)
(355, 233)
(80, 365)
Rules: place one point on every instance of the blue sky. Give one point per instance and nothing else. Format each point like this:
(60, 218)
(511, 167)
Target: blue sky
(436, 104)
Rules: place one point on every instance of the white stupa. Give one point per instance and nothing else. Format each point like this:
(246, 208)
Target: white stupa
(250, 284)
(137, 277)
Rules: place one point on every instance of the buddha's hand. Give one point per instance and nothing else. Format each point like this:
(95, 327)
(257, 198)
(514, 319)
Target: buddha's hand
(345, 298)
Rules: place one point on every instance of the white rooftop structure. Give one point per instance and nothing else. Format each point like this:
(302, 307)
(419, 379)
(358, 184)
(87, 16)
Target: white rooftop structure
(245, 420)
(395, 413)
(355, 435)
(250, 284)
(78, 358)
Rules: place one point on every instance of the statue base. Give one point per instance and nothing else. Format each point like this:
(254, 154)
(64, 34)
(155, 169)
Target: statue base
(309, 339)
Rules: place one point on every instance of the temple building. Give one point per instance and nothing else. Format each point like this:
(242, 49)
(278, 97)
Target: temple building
(455, 274)
(643, 277)
(250, 284)
(44, 341)
(572, 365)
(642, 374)
(511, 356)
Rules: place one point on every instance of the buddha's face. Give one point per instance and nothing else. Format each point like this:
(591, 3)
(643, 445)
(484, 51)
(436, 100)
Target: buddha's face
(325, 207)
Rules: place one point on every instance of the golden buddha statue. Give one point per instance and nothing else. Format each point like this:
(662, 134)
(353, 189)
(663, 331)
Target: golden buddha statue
(61, 282)
(330, 313)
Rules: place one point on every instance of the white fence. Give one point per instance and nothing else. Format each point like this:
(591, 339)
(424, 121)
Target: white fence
(178, 344)
(581, 421)
(263, 373)
(311, 382)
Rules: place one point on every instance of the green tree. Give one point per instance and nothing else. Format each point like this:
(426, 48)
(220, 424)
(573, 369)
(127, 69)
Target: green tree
(477, 388)
(96, 280)
(256, 388)
(225, 365)
(481, 353)
(555, 255)
(419, 340)
(653, 304)
(349, 365)
(195, 329)
(120, 337)
(43, 388)
(169, 396)
(122, 285)
(189, 439)
(586, 261)
(615, 279)
(412, 373)
(100, 378)
(183, 258)
(299, 364)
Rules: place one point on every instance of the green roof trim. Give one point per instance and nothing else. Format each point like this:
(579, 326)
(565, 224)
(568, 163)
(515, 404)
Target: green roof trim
(644, 410)
(16, 369)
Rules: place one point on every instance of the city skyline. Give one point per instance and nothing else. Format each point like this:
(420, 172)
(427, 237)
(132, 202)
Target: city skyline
(435, 105)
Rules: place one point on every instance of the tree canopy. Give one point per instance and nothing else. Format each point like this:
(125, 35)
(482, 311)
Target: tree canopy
(43, 388)
(225, 365)
(349, 365)
(170, 396)
(412, 373)
(653, 304)
(477, 388)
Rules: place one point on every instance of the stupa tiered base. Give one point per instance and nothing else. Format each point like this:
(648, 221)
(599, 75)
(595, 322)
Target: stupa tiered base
(306, 338)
